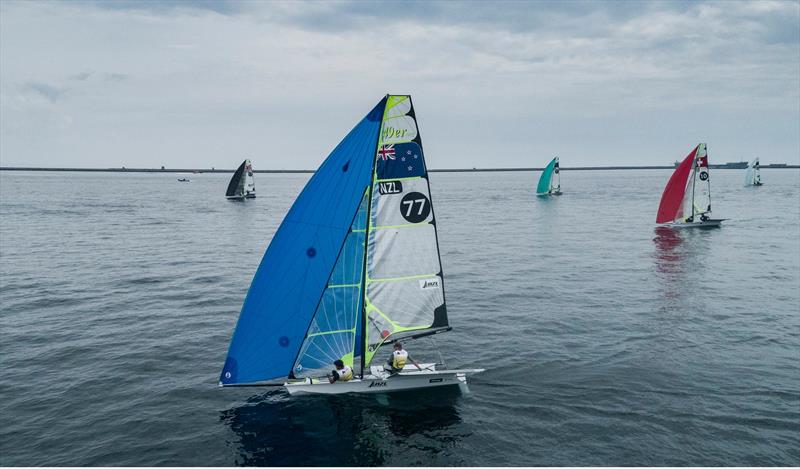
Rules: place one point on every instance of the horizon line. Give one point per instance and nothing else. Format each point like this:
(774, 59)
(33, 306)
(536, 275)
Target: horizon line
(431, 170)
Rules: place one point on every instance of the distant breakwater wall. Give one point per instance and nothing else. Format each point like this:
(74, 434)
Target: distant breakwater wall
(279, 171)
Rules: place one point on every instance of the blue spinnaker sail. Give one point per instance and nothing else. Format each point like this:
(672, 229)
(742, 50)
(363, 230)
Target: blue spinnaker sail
(294, 272)
(544, 180)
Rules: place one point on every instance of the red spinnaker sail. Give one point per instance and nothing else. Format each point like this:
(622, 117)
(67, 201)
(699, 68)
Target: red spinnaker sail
(672, 198)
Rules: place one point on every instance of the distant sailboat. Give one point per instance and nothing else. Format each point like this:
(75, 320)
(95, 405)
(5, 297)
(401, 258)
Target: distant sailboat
(354, 266)
(550, 181)
(242, 184)
(686, 200)
(752, 177)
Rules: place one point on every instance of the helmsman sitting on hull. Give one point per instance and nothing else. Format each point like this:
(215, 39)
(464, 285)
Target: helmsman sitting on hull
(342, 372)
(398, 359)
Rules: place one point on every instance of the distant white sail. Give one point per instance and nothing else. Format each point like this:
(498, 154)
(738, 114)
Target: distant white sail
(752, 177)
(249, 182)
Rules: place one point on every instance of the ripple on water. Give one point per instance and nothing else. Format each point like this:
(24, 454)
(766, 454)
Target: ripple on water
(603, 345)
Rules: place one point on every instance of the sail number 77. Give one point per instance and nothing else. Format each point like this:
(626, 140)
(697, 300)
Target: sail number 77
(415, 207)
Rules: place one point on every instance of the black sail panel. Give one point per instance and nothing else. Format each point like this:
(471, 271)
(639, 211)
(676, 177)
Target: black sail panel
(236, 182)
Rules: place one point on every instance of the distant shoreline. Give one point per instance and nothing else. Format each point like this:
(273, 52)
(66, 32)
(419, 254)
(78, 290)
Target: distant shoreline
(280, 171)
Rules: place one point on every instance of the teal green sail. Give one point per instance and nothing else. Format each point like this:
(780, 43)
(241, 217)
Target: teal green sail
(547, 180)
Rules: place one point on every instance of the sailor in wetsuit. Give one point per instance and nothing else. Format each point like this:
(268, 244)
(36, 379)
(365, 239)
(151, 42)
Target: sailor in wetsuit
(342, 372)
(398, 359)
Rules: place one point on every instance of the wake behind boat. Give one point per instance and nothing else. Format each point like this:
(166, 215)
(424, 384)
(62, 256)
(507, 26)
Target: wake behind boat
(550, 180)
(686, 202)
(347, 275)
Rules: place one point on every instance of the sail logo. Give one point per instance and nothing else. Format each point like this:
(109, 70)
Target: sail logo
(390, 187)
(398, 129)
(390, 133)
(429, 283)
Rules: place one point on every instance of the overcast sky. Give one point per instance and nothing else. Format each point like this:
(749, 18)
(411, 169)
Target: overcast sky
(201, 84)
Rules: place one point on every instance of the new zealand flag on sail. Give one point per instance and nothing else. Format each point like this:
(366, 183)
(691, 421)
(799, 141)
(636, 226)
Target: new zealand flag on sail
(400, 160)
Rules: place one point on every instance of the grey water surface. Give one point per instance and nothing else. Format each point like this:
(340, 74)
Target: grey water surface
(606, 341)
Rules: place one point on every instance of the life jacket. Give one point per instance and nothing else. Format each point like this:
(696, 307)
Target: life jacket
(399, 358)
(345, 374)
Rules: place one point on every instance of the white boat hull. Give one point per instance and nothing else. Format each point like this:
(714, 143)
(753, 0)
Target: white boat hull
(379, 381)
(710, 223)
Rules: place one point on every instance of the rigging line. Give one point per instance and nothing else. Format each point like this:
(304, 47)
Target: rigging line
(438, 351)
(328, 357)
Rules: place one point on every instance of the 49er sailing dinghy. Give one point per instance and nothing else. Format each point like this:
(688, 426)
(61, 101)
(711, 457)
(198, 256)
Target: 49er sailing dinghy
(550, 181)
(354, 266)
(242, 185)
(752, 177)
(686, 201)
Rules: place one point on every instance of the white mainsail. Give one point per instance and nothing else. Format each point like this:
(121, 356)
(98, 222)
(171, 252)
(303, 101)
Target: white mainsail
(752, 177)
(555, 179)
(248, 184)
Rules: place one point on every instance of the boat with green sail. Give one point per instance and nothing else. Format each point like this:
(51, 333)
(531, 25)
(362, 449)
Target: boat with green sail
(550, 180)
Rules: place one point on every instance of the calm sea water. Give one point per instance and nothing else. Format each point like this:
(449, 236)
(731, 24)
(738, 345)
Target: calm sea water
(606, 340)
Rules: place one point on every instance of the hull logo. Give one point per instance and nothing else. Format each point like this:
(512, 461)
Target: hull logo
(377, 384)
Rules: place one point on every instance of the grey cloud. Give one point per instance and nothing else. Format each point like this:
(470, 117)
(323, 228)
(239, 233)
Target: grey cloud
(223, 7)
(49, 92)
(83, 76)
(116, 77)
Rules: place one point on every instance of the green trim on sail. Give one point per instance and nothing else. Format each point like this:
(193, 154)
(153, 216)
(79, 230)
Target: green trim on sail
(353, 330)
(397, 329)
(399, 179)
(407, 225)
(398, 279)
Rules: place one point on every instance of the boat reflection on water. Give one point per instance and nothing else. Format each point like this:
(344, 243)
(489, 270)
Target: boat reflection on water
(669, 254)
(413, 428)
(681, 266)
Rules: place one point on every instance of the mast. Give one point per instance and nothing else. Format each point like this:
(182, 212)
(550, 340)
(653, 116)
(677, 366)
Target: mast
(694, 179)
(708, 180)
(363, 344)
